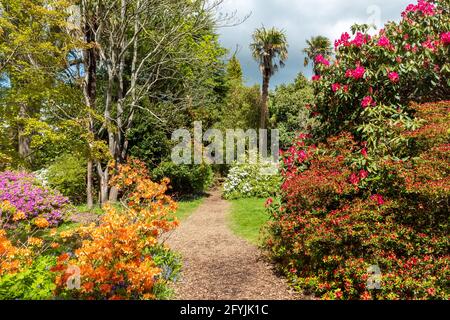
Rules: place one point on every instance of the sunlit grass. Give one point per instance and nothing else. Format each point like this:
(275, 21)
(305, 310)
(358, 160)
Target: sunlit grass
(247, 217)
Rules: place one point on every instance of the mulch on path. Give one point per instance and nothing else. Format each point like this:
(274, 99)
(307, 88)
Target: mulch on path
(218, 265)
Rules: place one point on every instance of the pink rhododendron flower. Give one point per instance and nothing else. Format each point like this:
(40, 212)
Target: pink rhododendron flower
(445, 38)
(358, 73)
(364, 152)
(429, 44)
(378, 198)
(360, 39)
(344, 40)
(384, 42)
(367, 101)
(363, 174)
(316, 78)
(322, 60)
(354, 179)
(393, 76)
(336, 87)
(425, 7)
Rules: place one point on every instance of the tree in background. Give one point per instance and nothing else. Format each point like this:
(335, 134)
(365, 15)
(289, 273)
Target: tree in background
(242, 103)
(316, 46)
(270, 50)
(234, 69)
(290, 110)
(34, 47)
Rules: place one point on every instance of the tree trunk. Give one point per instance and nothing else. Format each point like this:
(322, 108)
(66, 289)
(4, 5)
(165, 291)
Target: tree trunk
(104, 183)
(24, 141)
(264, 101)
(89, 200)
(90, 94)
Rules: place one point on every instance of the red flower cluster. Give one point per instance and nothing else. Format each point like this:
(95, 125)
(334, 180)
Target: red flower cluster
(356, 74)
(394, 77)
(321, 60)
(344, 40)
(425, 7)
(384, 42)
(445, 38)
(367, 102)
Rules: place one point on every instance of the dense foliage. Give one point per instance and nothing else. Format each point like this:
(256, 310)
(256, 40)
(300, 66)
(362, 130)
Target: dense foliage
(68, 175)
(185, 179)
(290, 110)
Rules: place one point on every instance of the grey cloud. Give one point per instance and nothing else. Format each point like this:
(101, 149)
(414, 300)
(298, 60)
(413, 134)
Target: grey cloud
(301, 19)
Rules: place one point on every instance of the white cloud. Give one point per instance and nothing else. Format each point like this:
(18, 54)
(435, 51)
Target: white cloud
(301, 19)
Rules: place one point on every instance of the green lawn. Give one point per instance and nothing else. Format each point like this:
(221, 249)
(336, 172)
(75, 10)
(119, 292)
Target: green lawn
(247, 218)
(187, 207)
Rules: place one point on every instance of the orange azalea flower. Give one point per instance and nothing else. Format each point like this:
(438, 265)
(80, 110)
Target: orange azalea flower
(35, 241)
(54, 245)
(105, 288)
(41, 222)
(19, 215)
(88, 287)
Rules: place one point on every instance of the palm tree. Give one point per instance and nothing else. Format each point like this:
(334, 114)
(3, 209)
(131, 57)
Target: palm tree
(269, 48)
(315, 46)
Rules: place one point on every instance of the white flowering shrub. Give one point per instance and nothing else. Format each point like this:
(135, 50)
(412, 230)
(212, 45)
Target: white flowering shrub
(251, 180)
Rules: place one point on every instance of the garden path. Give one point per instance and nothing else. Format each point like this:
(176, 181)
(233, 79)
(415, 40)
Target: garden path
(218, 265)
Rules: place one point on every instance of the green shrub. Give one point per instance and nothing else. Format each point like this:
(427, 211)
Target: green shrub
(290, 110)
(185, 179)
(34, 283)
(68, 175)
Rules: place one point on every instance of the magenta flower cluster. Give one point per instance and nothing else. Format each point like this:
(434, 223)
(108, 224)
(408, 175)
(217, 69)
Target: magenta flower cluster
(22, 190)
(425, 7)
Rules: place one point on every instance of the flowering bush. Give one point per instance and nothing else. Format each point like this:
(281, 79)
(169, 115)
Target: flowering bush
(25, 254)
(251, 180)
(121, 257)
(405, 61)
(22, 191)
(339, 214)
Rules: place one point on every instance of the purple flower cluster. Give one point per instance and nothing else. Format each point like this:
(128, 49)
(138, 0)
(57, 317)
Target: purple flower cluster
(22, 190)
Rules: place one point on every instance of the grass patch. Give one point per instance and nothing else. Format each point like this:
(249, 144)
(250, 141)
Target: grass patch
(247, 218)
(187, 207)
(83, 208)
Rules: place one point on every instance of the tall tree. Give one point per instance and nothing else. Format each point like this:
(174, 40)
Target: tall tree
(270, 50)
(234, 69)
(145, 52)
(318, 45)
(34, 47)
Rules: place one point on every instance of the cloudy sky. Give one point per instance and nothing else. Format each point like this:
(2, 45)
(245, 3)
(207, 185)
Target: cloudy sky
(301, 19)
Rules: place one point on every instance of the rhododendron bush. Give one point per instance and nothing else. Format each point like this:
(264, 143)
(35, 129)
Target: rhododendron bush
(339, 214)
(117, 258)
(405, 61)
